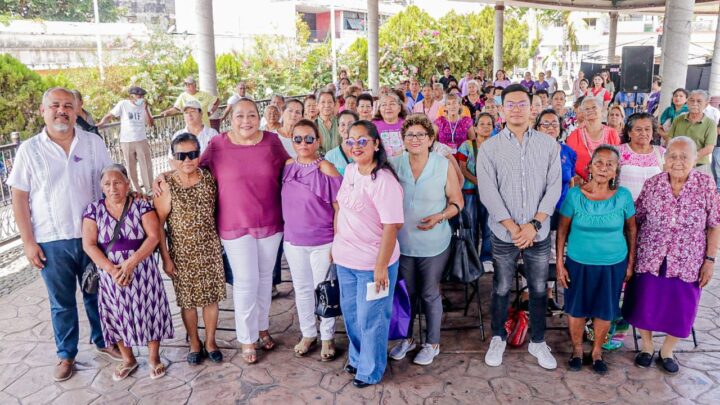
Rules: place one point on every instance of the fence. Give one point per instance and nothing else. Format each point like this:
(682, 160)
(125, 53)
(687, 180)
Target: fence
(159, 136)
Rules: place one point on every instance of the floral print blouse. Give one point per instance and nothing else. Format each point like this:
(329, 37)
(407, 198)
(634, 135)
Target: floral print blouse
(675, 227)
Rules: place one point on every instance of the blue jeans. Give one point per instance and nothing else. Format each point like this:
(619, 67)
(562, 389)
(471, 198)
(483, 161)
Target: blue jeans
(715, 166)
(63, 270)
(505, 258)
(472, 210)
(367, 322)
(486, 234)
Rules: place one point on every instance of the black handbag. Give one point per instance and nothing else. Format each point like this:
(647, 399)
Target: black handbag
(90, 281)
(327, 295)
(464, 264)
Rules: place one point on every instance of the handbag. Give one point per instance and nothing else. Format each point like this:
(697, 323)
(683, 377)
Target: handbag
(227, 268)
(464, 265)
(327, 295)
(90, 280)
(516, 327)
(401, 312)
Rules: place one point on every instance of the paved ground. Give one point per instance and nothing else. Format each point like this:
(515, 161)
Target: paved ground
(458, 375)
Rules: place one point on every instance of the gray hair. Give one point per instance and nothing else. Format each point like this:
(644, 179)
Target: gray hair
(114, 168)
(596, 100)
(453, 96)
(48, 92)
(682, 139)
(438, 86)
(473, 81)
(700, 92)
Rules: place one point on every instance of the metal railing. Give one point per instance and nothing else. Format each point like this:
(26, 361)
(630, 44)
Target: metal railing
(159, 136)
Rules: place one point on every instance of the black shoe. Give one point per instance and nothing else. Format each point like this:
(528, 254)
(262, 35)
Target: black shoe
(360, 384)
(215, 356)
(350, 369)
(643, 359)
(600, 367)
(553, 306)
(575, 363)
(195, 357)
(669, 365)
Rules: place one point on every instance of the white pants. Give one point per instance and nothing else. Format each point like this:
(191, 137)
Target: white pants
(308, 267)
(252, 262)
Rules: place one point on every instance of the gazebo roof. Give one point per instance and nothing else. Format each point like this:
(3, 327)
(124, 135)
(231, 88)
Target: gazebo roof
(706, 7)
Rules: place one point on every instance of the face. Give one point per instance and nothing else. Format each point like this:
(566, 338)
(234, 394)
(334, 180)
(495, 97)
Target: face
(481, 73)
(696, 103)
(550, 125)
(344, 124)
(541, 76)
(327, 105)
(655, 86)
(417, 140)
(583, 85)
(544, 99)
(245, 119)
(389, 108)
(604, 75)
(490, 106)
(59, 111)
(292, 113)
(641, 132)
(351, 104)
(615, 117)
(516, 108)
(528, 76)
(558, 101)
(240, 89)
(580, 115)
(452, 106)
(115, 186)
(186, 165)
(591, 110)
(500, 75)
(536, 108)
(192, 117)
(305, 149)
(365, 108)
(472, 88)
(427, 92)
(278, 102)
(484, 126)
(604, 167)
(679, 160)
(191, 88)
(446, 72)
(272, 115)
(581, 75)
(344, 85)
(497, 92)
(363, 155)
(311, 108)
(679, 98)
(438, 93)
(549, 73)
(598, 81)
(414, 86)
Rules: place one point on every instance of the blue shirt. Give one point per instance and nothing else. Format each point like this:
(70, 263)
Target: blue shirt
(335, 156)
(568, 157)
(467, 153)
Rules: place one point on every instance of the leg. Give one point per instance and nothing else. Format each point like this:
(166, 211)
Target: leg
(130, 158)
(190, 320)
(349, 290)
(647, 341)
(536, 272)
(298, 258)
(408, 271)
(242, 253)
(210, 318)
(146, 169)
(600, 328)
(668, 346)
(90, 301)
(505, 256)
(430, 271)
(576, 327)
(267, 252)
(157, 368)
(319, 263)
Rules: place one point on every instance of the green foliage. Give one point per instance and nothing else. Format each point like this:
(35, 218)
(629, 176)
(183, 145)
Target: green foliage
(59, 10)
(21, 89)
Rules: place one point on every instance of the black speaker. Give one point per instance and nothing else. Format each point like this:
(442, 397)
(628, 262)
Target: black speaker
(637, 68)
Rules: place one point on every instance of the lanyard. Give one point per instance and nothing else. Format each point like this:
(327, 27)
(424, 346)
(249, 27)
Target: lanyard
(453, 129)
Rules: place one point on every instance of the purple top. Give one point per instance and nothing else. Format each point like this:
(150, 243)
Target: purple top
(307, 204)
(528, 84)
(248, 182)
(132, 234)
(503, 83)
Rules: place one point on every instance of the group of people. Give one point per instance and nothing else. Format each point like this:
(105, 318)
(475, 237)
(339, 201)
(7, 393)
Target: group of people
(369, 184)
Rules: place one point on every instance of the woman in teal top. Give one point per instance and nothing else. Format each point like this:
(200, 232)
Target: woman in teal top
(431, 195)
(340, 155)
(678, 106)
(600, 258)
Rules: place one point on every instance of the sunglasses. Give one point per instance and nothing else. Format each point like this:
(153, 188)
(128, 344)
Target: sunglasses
(309, 139)
(192, 155)
(360, 142)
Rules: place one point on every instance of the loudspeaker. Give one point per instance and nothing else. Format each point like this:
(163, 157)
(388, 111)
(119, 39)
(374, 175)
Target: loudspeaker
(637, 68)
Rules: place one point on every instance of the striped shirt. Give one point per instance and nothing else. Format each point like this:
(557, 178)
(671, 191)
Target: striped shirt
(517, 180)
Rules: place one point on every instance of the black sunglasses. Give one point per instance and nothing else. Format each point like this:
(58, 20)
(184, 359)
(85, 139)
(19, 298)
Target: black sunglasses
(309, 139)
(192, 155)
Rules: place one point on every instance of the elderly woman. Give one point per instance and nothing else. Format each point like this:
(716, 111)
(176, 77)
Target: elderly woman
(293, 113)
(591, 135)
(192, 256)
(640, 160)
(272, 118)
(340, 155)
(600, 218)
(309, 201)
(454, 129)
(120, 235)
(389, 120)
(678, 213)
(426, 104)
(365, 108)
(474, 99)
(310, 104)
(366, 252)
(327, 121)
(431, 195)
(616, 118)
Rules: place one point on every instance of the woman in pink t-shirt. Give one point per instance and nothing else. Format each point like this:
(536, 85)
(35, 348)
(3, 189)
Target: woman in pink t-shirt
(388, 120)
(366, 251)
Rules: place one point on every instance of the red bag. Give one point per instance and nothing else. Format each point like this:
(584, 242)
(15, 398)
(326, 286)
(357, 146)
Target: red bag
(516, 327)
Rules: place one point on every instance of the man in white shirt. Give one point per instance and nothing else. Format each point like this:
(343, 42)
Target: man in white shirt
(192, 113)
(134, 115)
(240, 91)
(55, 175)
(552, 82)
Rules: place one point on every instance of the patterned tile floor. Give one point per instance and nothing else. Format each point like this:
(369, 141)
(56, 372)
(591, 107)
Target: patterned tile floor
(458, 374)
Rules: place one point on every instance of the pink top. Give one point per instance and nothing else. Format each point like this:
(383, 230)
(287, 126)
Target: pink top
(390, 136)
(453, 134)
(431, 112)
(365, 205)
(248, 179)
(675, 228)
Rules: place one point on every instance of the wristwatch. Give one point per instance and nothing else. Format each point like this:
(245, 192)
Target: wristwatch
(536, 224)
(710, 258)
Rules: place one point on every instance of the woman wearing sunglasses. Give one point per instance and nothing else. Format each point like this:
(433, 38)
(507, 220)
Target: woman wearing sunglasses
(309, 203)
(192, 255)
(366, 251)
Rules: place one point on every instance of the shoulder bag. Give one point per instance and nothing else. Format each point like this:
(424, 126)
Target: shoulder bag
(464, 265)
(327, 295)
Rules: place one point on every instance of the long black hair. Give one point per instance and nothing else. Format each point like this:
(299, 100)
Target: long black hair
(379, 156)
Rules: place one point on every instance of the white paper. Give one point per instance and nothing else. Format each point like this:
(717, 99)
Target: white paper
(372, 295)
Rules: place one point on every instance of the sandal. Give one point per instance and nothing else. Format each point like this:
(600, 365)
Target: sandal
(249, 355)
(157, 371)
(304, 346)
(266, 342)
(328, 350)
(122, 371)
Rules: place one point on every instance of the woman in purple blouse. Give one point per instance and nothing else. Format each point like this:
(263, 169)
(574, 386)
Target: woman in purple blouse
(678, 214)
(309, 203)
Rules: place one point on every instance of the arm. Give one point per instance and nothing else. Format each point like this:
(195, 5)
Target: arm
(705, 151)
(464, 170)
(91, 248)
(489, 191)
(151, 226)
(454, 196)
(456, 169)
(170, 111)
(562, 233)
(162, 207)
(631, 235)
(226, 112)
(148, 116)
(105, 119)
(214, 107)
(710, 141)
(707, 269)
(387, 246)
(21, 211)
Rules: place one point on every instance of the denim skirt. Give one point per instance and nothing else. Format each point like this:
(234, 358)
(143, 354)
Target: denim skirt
(594, 290)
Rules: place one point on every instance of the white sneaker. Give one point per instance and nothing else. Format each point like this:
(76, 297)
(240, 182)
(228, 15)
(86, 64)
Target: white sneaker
(541, 351)
(488, 266)
(494, 355)
(400, 350)
(427, 354)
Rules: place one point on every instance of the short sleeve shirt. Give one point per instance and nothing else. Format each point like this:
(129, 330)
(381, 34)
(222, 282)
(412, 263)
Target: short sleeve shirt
(206, 101)
(132, 121)
(391, 137)
(704, 133)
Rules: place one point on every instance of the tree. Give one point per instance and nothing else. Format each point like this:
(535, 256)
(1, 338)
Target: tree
(59, 10)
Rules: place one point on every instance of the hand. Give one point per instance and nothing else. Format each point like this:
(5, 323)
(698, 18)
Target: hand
(165, 113)
(563, 278)
(381, 279)
(706, 273)
(157, 184)
(525, 238)
(428, 223)
(125, 273)
(35, 255)
(169, 267)
(629, 271)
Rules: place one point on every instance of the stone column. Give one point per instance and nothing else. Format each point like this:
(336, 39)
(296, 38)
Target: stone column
(372, 32)
(498, 38)
(715, 68)
(206, 46)
(679, 14)
(333, 52)
(612, 41)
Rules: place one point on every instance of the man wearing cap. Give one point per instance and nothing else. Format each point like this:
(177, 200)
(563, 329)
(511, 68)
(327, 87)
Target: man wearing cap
(192, 113)
(134, 114)
(208, 102)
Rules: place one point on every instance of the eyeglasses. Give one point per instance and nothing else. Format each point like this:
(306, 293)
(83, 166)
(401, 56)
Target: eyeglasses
(360, 142)
(390, 104)
(309, 139)
(522, 104)
(181, 156)
(420, 136)
(550, 124)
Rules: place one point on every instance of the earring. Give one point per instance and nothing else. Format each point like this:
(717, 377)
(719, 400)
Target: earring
(590, 177)
(612, 183)
(377, 149)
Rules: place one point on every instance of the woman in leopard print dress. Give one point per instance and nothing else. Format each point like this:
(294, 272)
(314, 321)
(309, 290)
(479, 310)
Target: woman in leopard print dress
(193, 255)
